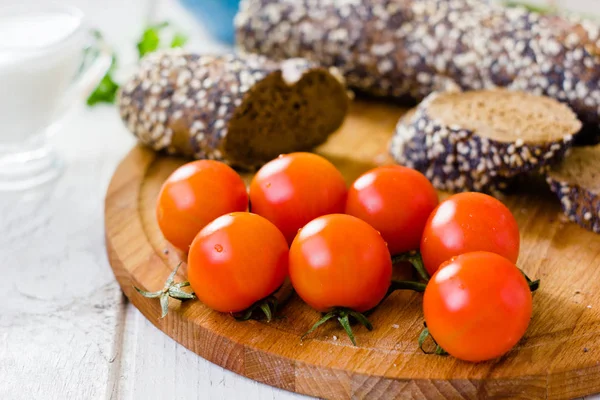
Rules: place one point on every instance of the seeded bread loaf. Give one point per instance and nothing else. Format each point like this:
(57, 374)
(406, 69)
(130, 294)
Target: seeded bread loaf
(576, 182)
(480, 140)
(244, 110)
(409, 47)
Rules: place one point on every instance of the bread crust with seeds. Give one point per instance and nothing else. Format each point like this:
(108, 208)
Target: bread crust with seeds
(406, 147)
(411, 47)
(447, 142)
(576, 182)
(243, 110)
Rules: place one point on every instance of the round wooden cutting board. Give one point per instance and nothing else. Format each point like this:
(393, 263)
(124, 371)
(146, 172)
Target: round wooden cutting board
(558, 358)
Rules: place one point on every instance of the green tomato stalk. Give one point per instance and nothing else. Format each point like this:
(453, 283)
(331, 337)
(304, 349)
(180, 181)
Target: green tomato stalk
(170, 289)
(268, 305)
(343, 316)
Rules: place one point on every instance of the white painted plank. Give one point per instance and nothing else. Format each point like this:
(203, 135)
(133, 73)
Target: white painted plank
(155, 366)
(61, 303)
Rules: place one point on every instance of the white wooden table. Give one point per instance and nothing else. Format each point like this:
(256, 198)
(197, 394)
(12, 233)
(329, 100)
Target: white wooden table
(66, 331)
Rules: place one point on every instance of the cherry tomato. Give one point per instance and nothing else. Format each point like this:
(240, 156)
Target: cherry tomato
(469, 222)
(340, 261)
(194, 195)
(237, 260)
(396, 201)
(477, 306)
(296, 188)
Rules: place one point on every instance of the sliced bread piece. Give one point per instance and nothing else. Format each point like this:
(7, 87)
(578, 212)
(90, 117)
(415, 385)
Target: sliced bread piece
(499, 131)
(488, 136)
(443, 171)
(576, 182)
(243, 110)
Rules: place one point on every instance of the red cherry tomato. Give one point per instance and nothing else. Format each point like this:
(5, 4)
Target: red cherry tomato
(469, 222)
(396, 201)
(294, 189)
(237, 260)
(194, 195)
(340, 261)
(477, 306)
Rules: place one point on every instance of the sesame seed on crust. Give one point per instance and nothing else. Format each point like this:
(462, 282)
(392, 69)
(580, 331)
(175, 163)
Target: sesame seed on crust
(578, 204)
(576, 183)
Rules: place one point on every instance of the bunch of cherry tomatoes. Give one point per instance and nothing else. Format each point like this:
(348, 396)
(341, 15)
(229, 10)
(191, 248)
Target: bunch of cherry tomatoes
(338, 247)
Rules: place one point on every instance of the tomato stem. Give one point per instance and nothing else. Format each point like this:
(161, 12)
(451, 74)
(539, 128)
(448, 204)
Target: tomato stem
(423, 336)
(345, 322)
(402, 285)
(406, 285)
(533, 285)
(268, 306)
(267, 310)
(320, 322)
(170, 289)
(413, 257)
(343, 316)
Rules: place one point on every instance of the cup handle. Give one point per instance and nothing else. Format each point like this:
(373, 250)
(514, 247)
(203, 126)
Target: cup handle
(96, 62)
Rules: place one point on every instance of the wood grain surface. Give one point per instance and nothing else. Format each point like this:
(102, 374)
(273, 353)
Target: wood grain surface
(558, 358)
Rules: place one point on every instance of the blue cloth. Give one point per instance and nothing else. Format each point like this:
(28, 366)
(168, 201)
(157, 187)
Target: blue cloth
(216, 16)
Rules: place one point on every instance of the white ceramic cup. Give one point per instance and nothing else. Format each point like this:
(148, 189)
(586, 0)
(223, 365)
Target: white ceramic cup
(42, 75)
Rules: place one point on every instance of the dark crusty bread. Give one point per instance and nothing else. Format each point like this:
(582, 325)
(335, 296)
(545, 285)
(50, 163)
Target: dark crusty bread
(243, 110)
(576, 182)
(484, 138)
(444, 173)
(409, 47)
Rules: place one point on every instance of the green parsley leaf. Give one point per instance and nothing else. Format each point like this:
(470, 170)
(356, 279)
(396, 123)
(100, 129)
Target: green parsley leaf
(97, 34)
(179, 40)
(150, 39)
(544, 10)
(148, 43)
(106, 91)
